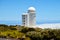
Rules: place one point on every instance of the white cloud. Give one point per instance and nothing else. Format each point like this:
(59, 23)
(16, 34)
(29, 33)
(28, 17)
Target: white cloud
(52, 26)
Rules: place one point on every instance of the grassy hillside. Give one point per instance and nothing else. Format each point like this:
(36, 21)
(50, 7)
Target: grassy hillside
(25, 33)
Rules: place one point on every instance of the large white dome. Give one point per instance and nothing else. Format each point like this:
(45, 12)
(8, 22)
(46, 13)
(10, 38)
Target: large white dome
(31, 8)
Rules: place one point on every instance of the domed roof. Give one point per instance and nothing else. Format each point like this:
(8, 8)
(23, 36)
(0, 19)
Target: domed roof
(31, 8)
(25, 14)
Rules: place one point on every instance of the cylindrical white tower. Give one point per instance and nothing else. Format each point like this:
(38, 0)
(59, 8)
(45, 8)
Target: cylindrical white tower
(32, 16)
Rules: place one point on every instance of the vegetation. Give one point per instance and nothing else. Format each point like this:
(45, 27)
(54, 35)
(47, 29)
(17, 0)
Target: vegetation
(25, 33)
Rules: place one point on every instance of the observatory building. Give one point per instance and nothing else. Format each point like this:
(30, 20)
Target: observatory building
(29, 18)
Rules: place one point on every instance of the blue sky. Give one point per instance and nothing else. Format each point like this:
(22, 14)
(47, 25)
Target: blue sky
(46, 10)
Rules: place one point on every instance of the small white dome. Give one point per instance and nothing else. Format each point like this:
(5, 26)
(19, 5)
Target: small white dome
(25, 14)
(31, 8)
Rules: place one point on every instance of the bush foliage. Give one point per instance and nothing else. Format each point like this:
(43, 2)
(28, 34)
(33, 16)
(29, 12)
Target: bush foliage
(25, 33)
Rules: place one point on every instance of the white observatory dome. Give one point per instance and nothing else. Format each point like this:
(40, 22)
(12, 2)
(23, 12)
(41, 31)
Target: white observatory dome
(31, 8)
